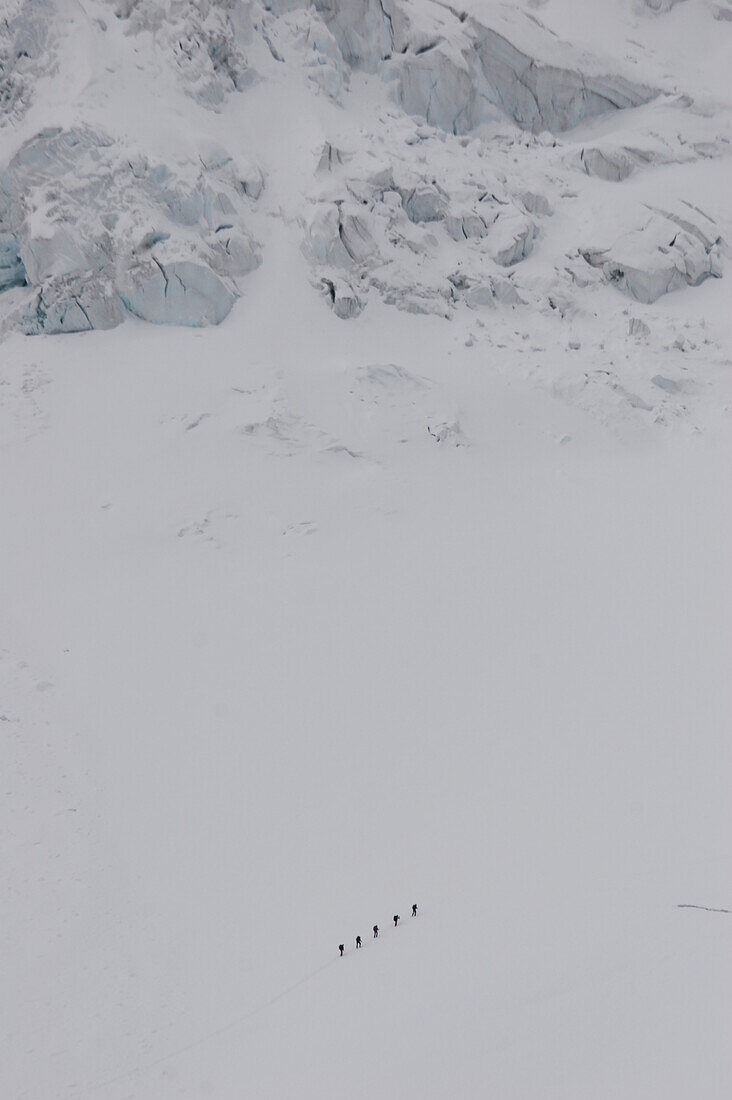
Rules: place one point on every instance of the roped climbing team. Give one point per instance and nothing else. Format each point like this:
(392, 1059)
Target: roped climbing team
(396, 918)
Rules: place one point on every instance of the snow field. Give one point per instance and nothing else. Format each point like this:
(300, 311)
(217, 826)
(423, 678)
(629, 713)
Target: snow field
(489, 678)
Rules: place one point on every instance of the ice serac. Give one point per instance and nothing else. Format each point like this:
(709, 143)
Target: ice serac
(439, 86)
(491, 291)
(68, 304)
(97, 232)
(544, 97)
(668, 251)
(421, 231)
(472, 68)
(179, 293)
(467, 226)
(425, 203)
(24, 43)
(12, 268)
(608, 164)
(456, 71)
(362, 28)
(205, 40)
(512, 239)
(344, 300)
(339, 235)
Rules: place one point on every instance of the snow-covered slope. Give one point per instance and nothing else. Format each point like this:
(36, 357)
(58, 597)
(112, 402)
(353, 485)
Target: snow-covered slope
(388, 564)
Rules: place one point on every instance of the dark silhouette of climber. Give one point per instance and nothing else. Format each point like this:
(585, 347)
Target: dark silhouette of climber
(358, 941)
(376, 931)
(396, 919)
(414, 910)
(341, 947)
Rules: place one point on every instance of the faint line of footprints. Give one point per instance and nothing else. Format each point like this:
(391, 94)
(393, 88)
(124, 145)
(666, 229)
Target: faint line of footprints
(375, 931)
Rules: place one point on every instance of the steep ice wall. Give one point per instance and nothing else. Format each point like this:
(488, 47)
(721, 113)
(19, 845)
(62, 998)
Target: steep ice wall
(455, 82)
(456, 70)
(545, 97)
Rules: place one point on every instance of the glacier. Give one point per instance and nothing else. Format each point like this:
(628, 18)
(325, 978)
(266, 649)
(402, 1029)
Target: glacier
(365, 394)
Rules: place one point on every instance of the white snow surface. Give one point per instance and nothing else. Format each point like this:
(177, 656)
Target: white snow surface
(390, 564)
